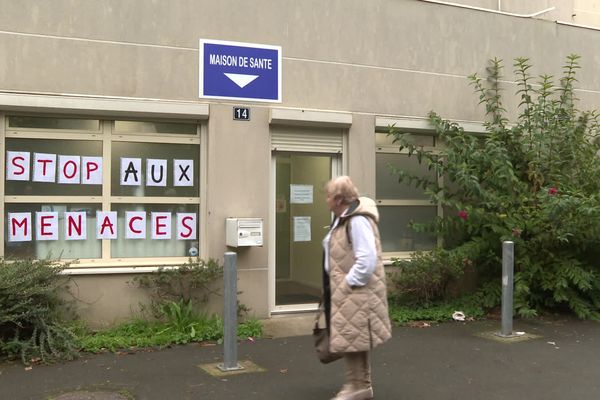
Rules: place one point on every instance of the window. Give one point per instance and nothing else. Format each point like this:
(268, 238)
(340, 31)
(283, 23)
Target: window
(400, 204)
(53, 123)
(155, 127)
(100, 190)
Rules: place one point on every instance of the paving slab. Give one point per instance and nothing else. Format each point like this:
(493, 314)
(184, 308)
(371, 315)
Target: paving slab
(85, 395)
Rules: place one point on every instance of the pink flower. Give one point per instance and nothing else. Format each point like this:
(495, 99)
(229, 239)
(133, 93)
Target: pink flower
(463, 214)
(552, 191)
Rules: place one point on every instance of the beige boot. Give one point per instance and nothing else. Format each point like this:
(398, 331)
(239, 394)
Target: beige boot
(350, 393)
(346, 388)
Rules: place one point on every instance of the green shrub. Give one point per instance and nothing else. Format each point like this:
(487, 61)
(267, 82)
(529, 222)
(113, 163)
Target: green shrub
(425, 277)
(534, 180)
(185, 287)
(30, 312)
(176, 298)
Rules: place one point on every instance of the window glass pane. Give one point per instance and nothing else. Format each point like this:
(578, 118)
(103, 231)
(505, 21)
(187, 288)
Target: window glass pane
(396, 235)
(61, 248)
(387, 184)
(156, 151)
(155, 127)
(148, 247)
(57, 147)
(383, 139)
(54, 123)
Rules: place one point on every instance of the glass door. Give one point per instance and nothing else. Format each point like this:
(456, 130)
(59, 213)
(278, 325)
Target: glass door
(301, 220)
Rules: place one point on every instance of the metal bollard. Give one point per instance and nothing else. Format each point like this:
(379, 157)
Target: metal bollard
(230, 362)
(508, 266)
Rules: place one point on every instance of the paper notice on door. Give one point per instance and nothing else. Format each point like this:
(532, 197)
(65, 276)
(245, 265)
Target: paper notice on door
(301, 229)
(301, 194)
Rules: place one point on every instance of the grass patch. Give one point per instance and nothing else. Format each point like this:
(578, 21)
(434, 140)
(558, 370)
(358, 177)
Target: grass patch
(142, 334)
(437, 312)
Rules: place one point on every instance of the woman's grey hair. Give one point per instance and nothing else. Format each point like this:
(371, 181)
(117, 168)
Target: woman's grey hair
(342, 188)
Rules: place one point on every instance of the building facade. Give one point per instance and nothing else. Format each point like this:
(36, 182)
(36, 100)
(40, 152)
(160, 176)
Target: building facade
(112, 154)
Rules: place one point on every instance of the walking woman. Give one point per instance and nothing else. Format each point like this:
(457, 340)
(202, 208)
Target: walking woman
(355, 294)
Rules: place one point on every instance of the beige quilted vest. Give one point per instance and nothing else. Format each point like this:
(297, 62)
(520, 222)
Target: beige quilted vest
(359, 317)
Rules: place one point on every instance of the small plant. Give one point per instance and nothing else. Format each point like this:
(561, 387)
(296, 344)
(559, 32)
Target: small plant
(192, 283)
(175, 296)
(425, 277)
(31, 326)
(179, 315)
(251, 328)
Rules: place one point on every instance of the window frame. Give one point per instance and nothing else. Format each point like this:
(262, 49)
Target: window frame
(417, 126)
(106, 135)
(382, 202)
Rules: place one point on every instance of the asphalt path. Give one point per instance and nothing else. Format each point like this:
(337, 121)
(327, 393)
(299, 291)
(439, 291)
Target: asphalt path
(556, 359)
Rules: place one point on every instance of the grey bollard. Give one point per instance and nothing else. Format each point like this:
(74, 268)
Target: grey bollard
(508, 266)
(230, 362)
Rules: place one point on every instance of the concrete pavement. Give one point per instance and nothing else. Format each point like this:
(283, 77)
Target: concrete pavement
(458, 360)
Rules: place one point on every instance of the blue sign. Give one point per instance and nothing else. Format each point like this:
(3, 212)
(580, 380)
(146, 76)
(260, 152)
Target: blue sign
(240, 71)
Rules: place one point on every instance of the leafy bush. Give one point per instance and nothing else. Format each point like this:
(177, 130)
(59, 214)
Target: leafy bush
(425, 277)
(189, 284)
(535, 181)
(175, 294)
(30, 312)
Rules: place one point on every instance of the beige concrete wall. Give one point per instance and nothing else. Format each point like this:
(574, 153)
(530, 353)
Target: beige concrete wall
(375, 58)
(361, 153)
(95, 299)
(106, 300)
(586, 12)
(387, 56)
(239, 158)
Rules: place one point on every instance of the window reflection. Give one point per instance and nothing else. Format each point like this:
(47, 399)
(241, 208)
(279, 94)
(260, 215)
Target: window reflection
(61, 248)
(397, 235)
(155, 151)
(54, 123)
(59, 147)
(155, 127)
(128, 248)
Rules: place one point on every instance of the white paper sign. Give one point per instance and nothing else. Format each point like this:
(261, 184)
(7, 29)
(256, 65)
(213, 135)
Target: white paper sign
(75, 225)
(106, 224)
(135, 225)
(69, 169)
(131, 171)
(160, 225)
(302, 229)
(156, 172)
(183, 172)
(44, 167)
(186, 226)
(91, 170)
(301, 194)
(17, 165)
(46, 225)
(19, 227)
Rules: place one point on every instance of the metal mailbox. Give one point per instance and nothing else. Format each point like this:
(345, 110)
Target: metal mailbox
(241, 232)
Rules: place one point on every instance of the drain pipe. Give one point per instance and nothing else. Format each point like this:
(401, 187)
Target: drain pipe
(535, 14)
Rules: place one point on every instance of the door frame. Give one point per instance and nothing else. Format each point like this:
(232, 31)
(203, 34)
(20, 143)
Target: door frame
(337, 168)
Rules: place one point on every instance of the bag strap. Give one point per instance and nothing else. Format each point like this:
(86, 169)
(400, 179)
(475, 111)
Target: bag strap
(319, 313)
